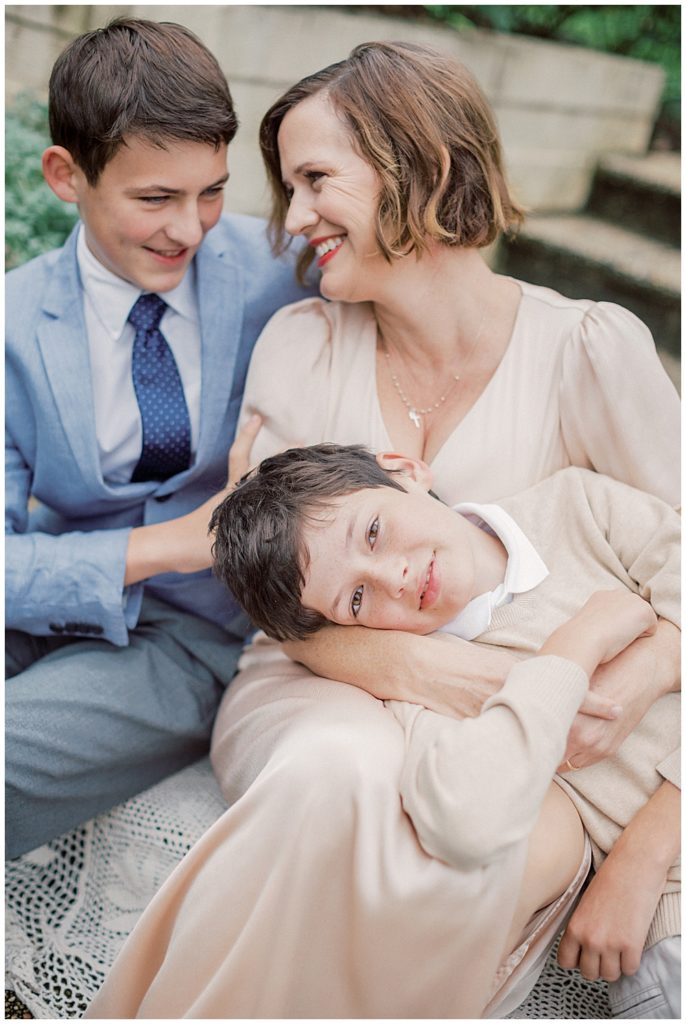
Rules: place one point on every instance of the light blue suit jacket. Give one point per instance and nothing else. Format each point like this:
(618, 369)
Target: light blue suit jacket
(65, 563)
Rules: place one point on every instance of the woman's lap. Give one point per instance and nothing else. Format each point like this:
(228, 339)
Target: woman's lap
(311, 895)
(277, 709)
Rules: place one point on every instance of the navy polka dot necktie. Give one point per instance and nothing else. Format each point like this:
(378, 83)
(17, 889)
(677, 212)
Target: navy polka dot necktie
(164, 413)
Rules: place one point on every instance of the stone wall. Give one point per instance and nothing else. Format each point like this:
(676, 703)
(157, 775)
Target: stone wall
(559, 107)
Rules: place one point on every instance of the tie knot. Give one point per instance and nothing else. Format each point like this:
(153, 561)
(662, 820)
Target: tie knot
(147, 312)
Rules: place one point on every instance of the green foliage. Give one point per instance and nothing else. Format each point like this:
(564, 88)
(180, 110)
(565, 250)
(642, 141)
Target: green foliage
(649, 32)
(35, 219)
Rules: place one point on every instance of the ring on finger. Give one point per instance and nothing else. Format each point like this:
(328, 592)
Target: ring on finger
(571, 766)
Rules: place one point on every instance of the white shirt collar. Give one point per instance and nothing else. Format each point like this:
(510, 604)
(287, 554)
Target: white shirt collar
(112, 297)
(525, 570)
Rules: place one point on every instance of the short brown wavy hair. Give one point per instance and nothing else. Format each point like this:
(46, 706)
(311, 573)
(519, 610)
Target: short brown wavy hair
(421, 121)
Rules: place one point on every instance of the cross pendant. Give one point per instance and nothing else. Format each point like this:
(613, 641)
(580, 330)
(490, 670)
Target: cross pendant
(415, 417)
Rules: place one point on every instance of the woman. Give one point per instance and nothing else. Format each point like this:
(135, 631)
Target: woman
(389, 165)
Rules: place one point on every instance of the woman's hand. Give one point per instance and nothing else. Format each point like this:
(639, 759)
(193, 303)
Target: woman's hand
(185, 544)
(644, 671)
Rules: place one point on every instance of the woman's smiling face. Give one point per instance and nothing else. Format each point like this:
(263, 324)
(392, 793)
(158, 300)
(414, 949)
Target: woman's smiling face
(334, 196)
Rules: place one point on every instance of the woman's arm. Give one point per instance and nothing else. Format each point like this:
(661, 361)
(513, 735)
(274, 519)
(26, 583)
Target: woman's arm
(448, 675)
(619, 411)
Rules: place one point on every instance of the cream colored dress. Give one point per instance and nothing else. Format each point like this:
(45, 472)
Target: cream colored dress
(311, 897)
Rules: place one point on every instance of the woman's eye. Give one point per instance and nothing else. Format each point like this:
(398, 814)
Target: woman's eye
(314, 176)
(373, 533)
(356, 602)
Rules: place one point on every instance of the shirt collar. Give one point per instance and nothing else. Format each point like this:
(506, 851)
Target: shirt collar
(525, 569)
(112, 297)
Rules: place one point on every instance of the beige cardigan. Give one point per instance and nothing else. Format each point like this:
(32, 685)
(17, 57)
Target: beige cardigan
(593, 533)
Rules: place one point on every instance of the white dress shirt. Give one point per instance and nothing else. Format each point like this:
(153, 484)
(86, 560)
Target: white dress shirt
(107, 303)
(525, 570)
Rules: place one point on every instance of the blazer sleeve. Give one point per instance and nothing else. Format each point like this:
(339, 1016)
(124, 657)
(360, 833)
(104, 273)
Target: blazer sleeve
(620, 413)
(473, 788)
(70, 584)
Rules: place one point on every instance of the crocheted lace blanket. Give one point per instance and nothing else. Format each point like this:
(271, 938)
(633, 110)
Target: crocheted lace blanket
(72, 902)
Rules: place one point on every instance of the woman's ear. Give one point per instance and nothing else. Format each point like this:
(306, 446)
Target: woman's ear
(60, 172)
(413, 469)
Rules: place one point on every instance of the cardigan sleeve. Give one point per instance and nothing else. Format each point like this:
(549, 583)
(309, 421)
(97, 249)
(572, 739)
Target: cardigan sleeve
(620, 413)
(288, 381)
(642, 531)
(473, 788)
(670, 768)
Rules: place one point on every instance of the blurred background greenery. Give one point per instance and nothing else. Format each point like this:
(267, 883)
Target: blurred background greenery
(649, 32)
(35, 220)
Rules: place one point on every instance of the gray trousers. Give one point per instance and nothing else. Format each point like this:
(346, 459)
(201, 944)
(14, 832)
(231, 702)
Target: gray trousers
(654, 992)
(88, 725)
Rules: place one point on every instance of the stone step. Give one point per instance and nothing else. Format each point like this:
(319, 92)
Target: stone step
(584, 257)
(641, 193)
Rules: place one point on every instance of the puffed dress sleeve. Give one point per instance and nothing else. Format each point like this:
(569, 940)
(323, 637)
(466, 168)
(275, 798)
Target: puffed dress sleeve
(620, 413)
(289, 378)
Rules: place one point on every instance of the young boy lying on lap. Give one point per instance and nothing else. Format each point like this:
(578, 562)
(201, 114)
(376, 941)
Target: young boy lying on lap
(334, 534)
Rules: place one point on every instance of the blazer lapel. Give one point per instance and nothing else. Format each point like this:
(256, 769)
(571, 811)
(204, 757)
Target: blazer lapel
(221, 302)
(64, 348)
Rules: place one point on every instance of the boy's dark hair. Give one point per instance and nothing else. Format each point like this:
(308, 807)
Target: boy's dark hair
(135, 77)
(258, 547)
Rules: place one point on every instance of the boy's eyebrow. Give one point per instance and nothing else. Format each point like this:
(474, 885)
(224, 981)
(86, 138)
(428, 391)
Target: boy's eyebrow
(172, 191)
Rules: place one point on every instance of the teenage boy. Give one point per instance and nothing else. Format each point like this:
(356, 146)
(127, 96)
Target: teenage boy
(127, 351)
(507, 575)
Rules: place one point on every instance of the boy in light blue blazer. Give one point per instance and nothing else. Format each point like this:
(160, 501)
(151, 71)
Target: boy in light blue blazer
(127, 352)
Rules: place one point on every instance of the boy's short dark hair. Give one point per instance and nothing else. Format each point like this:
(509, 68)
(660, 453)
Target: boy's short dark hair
(258, 548)
(135, 77)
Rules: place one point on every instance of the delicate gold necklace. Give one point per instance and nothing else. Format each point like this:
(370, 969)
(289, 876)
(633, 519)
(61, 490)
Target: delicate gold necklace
(413, 411)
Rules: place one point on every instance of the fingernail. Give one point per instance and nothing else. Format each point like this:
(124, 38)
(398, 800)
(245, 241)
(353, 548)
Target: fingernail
(617, 710)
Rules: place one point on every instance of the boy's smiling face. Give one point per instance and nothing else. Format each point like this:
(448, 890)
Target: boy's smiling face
(150, 208)
(389, 559)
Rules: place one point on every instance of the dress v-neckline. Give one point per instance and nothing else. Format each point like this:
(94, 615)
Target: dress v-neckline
(514, 334)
